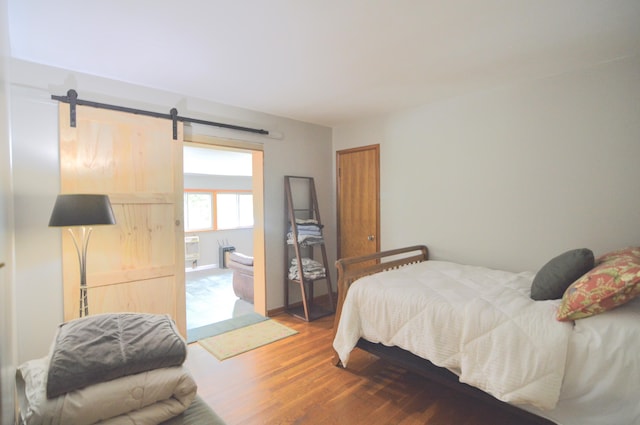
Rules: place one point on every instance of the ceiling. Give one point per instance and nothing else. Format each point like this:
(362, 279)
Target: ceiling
(323, 61)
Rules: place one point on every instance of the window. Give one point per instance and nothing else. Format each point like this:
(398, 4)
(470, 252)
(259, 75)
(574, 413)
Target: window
(217, 210)
(198, 208)
(234, 210)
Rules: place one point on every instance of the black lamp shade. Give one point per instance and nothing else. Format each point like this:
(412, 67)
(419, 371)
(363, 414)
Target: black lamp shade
(81, 210)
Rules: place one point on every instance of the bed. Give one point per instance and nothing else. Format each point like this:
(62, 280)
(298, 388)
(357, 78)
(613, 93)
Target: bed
(478, 330)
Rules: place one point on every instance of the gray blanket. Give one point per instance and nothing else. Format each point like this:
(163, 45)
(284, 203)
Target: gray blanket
(108, 346)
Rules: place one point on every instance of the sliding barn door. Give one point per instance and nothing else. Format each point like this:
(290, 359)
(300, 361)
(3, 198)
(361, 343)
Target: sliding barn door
(138, 264)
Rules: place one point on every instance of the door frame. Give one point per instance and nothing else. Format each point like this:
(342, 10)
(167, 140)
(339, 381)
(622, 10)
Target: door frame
(259, 252)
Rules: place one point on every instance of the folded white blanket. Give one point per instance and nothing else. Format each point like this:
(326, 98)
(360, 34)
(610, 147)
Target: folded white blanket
(147, 398)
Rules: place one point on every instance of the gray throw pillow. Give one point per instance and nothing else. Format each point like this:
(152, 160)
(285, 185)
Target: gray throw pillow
(560, 272)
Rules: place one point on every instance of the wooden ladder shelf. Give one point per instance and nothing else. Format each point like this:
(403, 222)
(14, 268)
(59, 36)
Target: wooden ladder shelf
(304, 236)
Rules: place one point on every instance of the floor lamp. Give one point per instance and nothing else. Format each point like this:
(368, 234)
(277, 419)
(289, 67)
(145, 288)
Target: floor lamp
(78, 212)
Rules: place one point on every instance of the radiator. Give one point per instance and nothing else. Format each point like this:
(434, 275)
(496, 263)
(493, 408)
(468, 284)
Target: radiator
(191, 248)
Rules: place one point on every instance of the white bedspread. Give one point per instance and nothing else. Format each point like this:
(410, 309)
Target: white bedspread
(477, 322)
(146, 398)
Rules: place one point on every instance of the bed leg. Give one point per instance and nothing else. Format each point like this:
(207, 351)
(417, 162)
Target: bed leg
(336, 360)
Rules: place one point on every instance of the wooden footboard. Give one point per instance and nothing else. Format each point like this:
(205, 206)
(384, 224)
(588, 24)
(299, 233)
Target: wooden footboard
(350, 269)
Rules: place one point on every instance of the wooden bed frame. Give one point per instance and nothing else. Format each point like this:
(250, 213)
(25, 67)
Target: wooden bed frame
(350, 269)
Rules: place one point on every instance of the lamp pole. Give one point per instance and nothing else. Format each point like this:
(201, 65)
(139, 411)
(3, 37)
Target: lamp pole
(81, 249)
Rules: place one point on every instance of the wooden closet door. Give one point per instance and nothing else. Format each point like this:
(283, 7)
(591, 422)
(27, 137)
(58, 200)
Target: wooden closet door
(136, 265)
(358, 201)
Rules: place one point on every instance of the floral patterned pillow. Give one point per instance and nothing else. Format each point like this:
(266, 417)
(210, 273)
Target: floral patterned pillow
(608, 285)
(631, 253)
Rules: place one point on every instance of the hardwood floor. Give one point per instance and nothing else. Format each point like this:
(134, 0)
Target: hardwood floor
(293, 381)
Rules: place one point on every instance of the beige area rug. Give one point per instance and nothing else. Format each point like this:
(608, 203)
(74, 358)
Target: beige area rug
(245, 339)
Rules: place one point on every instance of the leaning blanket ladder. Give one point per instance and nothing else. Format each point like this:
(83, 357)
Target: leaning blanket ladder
(351, 269)
(302, 205)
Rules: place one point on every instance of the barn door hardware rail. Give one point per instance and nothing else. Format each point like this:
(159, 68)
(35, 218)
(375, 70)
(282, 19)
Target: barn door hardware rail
(72, 99)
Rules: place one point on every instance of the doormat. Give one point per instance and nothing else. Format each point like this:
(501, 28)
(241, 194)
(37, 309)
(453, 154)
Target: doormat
(197, 334)
(230, 344)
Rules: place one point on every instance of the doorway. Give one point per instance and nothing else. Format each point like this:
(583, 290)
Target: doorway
(220, 222)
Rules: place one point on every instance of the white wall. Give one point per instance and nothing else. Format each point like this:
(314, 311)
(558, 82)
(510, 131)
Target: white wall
(38, 266)
(7, 329)
(511, 177)
(36, 175)
(7, 311)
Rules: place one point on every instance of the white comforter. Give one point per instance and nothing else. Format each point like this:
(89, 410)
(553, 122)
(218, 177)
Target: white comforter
(477, 322)
(147, 398)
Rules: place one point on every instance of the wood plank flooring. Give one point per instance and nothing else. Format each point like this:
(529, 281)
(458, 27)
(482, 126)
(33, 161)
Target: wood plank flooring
(293, 381)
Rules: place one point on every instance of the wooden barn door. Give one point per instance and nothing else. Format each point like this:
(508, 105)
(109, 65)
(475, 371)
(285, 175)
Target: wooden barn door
(138, 264)
(358, 201)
